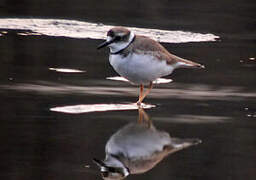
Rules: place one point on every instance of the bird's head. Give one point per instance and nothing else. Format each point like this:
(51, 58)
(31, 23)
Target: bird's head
(109, 172)
(117, 39)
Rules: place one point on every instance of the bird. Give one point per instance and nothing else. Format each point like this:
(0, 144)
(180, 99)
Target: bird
(140, 59)
(138, 147)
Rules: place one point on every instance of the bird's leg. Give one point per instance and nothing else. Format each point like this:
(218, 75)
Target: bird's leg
(141, 94)
(143, 118)
(145, 94)
(141, 90)
(140, 115)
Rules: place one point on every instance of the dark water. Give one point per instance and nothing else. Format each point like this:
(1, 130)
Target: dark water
(216, 105)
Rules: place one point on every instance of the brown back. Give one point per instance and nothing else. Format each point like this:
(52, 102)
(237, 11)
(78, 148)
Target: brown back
(147, 46)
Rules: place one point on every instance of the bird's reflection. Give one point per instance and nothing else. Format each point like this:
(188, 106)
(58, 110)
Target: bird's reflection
(138, 147)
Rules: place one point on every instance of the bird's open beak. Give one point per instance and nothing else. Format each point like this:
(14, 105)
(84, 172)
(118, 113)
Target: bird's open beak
(106, 43)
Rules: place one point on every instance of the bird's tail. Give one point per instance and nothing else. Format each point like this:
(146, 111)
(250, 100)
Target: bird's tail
(184, 143)
(193, 64)
(190, 64)
(184, 63)
(178, 144)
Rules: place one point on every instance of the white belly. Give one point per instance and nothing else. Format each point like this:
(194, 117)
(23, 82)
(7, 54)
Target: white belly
(140, 69)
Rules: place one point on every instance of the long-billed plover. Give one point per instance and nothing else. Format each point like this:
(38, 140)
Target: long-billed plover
(140, 59)
(138, 147)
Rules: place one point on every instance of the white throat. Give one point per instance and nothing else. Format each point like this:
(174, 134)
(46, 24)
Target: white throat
(115, 47)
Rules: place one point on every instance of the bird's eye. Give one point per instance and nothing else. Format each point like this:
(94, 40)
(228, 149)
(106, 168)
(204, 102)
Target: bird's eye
(110, 33)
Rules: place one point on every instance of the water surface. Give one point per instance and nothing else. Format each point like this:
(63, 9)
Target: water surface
(216, 105)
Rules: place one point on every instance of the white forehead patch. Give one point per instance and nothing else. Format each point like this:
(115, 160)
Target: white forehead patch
(109, 38)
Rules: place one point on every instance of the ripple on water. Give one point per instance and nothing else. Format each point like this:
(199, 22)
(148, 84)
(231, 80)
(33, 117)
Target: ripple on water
(203, 92)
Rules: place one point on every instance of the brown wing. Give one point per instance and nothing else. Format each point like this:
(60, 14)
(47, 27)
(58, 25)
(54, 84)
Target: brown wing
(145, 45)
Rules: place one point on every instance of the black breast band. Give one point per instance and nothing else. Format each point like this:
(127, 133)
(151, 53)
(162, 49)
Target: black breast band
(121, 50)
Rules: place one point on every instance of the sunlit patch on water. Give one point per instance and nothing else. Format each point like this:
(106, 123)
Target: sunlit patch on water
(64, 70)
(86, 108)
(157, 81)
(29, 34)
(3, 33)
(79, 29)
